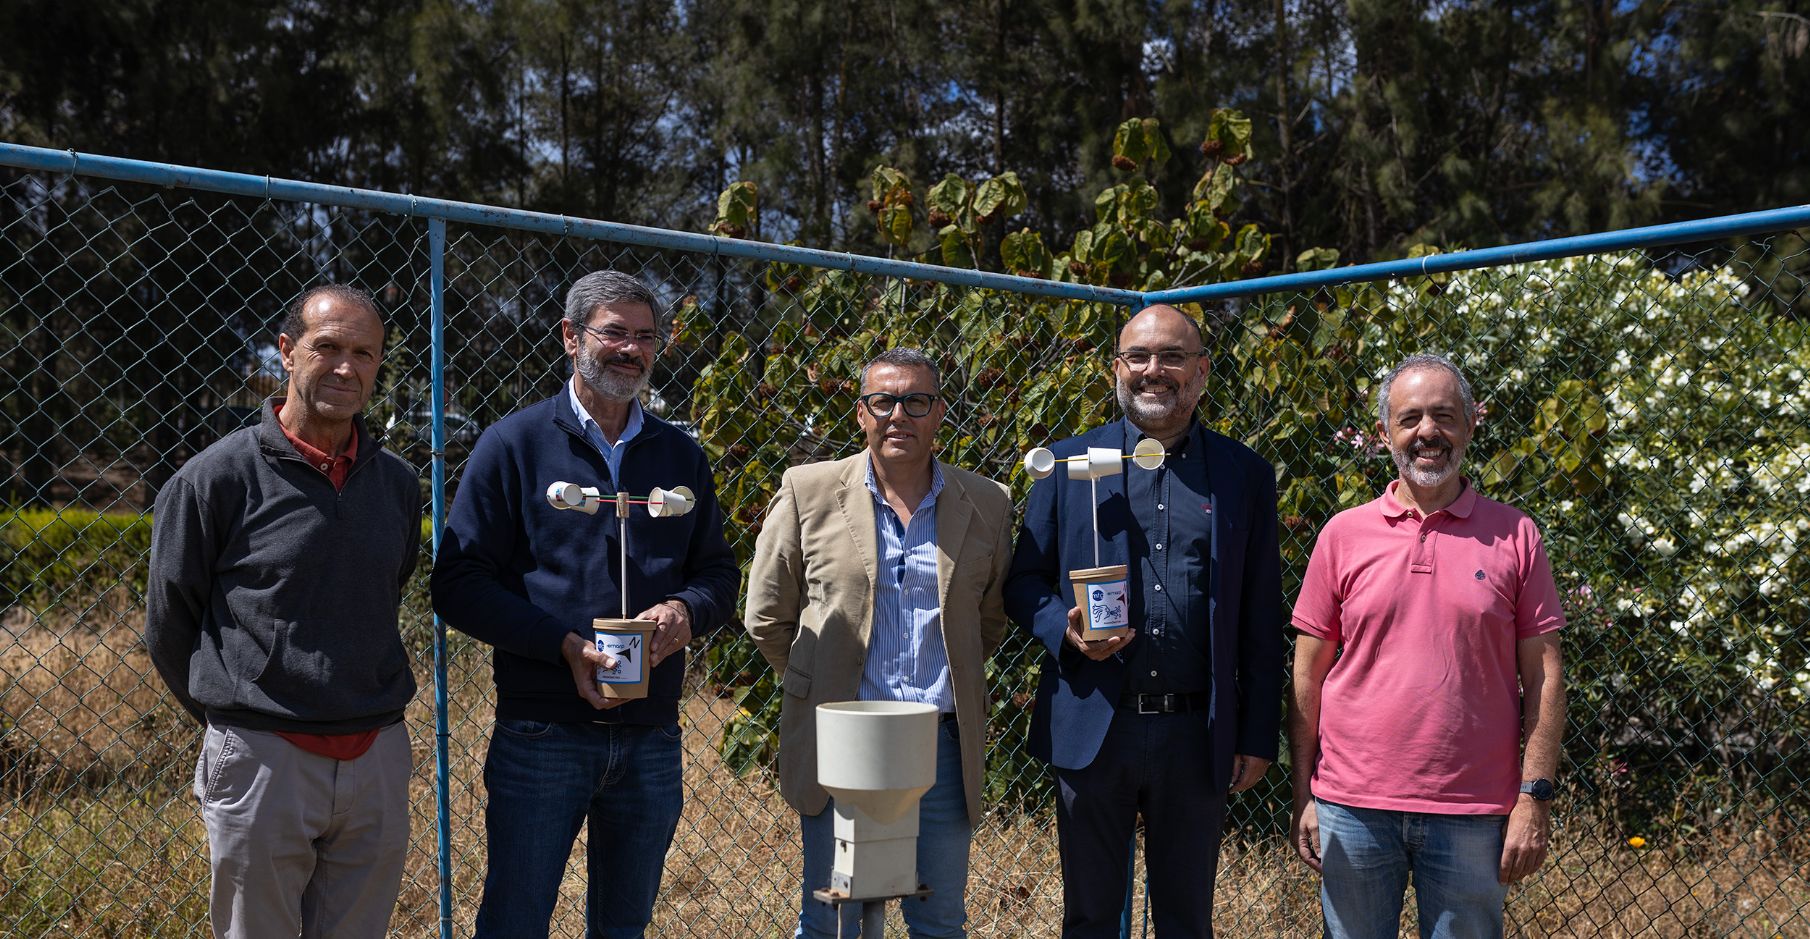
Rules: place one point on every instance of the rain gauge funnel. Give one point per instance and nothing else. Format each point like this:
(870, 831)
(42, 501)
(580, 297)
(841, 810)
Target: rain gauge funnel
(876, 758)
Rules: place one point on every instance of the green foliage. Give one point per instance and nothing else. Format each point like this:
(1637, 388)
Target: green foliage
(1022, 253)
(1139, 141)
(69, 556)
(891, 205)
(737, 211)
(1228, 136)
(1316, 259)
(751, 738)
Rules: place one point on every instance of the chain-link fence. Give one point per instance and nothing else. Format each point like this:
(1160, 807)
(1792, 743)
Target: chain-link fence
(1648, 408)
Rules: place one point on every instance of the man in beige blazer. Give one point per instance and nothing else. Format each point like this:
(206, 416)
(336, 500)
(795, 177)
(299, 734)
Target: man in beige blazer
(879, 577)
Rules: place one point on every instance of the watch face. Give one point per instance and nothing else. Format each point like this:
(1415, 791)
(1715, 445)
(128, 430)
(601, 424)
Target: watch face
(1540, 789)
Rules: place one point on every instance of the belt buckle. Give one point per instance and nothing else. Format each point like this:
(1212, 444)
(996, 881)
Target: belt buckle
(1146, 708)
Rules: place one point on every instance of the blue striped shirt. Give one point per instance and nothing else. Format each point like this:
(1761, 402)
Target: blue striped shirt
(906, 660)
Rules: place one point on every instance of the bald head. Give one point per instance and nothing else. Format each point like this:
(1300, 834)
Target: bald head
(1167, 320)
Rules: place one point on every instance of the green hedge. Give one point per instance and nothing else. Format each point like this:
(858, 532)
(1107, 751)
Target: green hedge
(64, 557)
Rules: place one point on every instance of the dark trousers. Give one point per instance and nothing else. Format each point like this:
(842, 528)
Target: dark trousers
(1159, 766)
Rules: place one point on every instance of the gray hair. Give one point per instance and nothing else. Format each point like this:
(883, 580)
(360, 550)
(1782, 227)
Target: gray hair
(600, 288)
(1413, 363)
(294, 325)
(904, 357)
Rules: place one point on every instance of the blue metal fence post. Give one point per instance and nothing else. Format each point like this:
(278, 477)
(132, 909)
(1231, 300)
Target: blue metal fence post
(436, 249)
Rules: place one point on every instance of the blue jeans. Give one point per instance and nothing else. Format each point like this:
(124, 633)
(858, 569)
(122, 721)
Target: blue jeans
(943, 835)
(1369, 853)
(547, 779)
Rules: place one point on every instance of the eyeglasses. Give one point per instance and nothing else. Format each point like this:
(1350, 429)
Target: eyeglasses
(646, 339)
(1171, 359)
(881, 404)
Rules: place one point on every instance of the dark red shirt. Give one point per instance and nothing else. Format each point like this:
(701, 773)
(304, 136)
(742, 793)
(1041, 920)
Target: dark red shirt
(336, 468)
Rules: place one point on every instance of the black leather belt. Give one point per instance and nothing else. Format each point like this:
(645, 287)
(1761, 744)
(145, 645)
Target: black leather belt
(1163, 703)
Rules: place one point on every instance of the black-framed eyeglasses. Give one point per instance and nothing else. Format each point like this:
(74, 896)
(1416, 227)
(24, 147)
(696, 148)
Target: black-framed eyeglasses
(646, 338)
(1171, 359)
(881, 404)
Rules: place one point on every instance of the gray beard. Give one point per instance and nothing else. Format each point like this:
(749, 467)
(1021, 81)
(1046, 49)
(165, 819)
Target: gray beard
(1141, 413)
(1427, 479)
(606, 384)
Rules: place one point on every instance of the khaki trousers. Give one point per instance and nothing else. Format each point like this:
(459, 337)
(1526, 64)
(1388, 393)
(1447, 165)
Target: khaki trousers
(300, 844)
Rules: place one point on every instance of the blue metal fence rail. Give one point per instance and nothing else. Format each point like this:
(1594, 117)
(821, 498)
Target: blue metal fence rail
(446, 210)
(266, 187)
(1627, 239)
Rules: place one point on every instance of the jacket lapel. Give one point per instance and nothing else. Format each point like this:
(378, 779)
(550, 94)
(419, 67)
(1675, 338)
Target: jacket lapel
(857, 507)
(953, 514)
(1222, 479)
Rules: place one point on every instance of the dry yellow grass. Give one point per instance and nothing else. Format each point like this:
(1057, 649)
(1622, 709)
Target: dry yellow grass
(81, 704)
(101, 838)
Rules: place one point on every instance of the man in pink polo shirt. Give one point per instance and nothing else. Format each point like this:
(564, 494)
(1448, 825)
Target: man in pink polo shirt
(1429, 702)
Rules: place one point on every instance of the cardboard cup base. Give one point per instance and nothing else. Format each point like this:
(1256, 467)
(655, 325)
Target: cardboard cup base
(1100, 592)
(629, 641)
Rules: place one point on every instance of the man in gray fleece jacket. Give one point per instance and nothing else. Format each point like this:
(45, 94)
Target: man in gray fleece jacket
(278, 560)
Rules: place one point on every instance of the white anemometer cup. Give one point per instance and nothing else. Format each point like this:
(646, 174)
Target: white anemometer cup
(1101, 591)
(623, 639)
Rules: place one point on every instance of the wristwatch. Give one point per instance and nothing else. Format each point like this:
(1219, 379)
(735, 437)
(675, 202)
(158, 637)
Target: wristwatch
(1540, 789)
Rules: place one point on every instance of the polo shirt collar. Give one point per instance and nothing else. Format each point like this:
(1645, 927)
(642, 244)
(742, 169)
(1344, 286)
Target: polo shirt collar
(1461, 507)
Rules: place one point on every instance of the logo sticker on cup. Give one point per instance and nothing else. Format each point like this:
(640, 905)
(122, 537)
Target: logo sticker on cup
(628, 652)
(1107, 607)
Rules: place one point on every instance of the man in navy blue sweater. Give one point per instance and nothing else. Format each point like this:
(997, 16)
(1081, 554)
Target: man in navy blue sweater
(528, 580)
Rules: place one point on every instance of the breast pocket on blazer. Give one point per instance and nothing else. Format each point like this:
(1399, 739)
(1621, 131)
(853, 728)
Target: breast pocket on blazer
(796, 683)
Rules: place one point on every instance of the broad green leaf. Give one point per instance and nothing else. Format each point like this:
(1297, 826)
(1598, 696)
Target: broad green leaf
(1253, 243)
(950, 196)
(1115, 250)
(887, 182)
(1156, 148)
(956, 250)
(1130, 145)
(1317, 259)
(1106, 204)
(1001, 197)
(1084, 245)
(1216, 190)
(736, 210)
(895, 224)
(1232, 130)
(1023, 252)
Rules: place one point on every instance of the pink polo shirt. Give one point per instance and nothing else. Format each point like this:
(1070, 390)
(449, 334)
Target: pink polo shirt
(1422, 710)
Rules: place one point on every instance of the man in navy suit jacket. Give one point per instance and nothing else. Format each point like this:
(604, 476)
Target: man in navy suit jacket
(1166, 721)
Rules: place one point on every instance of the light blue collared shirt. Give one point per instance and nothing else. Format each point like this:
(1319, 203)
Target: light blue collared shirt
(612, 454)
(906, 660)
